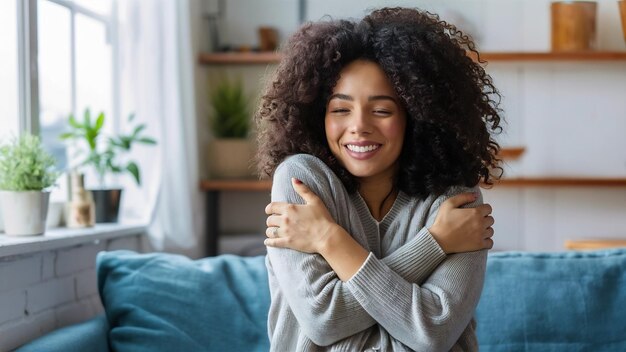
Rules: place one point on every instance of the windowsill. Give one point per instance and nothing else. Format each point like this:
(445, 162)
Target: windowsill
(64, 237)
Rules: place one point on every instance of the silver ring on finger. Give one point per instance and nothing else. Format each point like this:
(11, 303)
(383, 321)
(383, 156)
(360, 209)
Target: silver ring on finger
(275, 232)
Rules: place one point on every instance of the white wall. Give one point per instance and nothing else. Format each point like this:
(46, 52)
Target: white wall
(570, 116)
(44, 291)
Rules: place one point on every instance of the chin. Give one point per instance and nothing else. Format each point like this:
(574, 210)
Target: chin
(360, 172)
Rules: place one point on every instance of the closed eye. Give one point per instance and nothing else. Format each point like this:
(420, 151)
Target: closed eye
(382, 112)
(340, 111)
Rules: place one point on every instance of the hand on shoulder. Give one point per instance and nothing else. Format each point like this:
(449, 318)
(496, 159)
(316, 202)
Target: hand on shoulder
(302, 227)
(459, 229)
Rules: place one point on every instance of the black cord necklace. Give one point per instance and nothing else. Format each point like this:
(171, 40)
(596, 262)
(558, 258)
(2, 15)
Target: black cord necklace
(382, 204)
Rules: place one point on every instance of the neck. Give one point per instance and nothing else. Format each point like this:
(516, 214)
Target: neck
(379, 196)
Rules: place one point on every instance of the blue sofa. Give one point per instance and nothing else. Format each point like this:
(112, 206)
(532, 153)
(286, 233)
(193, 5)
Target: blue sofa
(570, 301)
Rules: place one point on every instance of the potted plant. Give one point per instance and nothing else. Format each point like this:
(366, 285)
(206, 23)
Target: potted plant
(102, 154)
(26, 174)
(230, 151)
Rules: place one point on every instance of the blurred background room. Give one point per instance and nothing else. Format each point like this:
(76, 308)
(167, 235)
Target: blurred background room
(170, 86)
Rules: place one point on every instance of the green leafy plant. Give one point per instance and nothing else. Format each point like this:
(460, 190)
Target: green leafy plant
(231, 116)
(103, 155)
(25, 165)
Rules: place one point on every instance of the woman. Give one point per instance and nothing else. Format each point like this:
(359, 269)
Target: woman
(376, 134)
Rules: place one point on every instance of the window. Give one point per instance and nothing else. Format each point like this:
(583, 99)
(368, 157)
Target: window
(71, 43)
(75, 65)
(9, 86)
(58, 57)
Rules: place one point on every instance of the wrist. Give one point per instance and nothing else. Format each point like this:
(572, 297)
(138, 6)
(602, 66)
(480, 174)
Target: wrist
(333, 236)
(436, 235)
(343, 253)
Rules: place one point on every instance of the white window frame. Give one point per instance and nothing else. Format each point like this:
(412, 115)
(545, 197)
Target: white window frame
(28, 60)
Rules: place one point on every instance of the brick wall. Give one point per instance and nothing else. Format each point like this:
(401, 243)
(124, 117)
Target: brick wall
(44, 291)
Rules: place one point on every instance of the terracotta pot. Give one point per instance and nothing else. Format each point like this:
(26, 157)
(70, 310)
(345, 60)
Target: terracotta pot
(622, 11)
(230, 158)
(268, 39)
(573, 25)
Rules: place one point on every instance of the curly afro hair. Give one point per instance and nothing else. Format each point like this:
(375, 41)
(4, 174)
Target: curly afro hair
(450, 101)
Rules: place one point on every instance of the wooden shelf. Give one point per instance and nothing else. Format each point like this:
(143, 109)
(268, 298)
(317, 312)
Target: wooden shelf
(595, 244)
(259, 58)
(236, 185)
(560, 182)
(511, 153)
(266, 185)
(256, 58)
(555, 56)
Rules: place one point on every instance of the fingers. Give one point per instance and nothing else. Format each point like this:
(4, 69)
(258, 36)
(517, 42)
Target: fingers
(272, 232)
(276, 208)
(273, 238)
(276, 242)
(489, 221)
(459, 200)
(488, 242)
(489, 232)
(484, 209)
(303, 191)
(280, 208)
(274, 221)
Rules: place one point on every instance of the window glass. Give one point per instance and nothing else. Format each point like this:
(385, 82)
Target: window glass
(55, 78)
(9, 86)
(101, 7)
(93, 68)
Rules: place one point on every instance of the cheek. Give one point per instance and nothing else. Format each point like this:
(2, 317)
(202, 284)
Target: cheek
(333, 130)
(395, 130)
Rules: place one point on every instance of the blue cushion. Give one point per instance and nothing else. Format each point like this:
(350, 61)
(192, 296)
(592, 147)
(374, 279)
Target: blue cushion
(165, 302)
(90, 335)
(568, 301)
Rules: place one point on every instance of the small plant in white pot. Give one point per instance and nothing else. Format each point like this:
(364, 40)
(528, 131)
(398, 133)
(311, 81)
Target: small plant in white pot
(27, 172)
(230, 151)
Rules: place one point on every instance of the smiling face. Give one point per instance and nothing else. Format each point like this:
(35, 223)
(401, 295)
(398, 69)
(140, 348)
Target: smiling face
(365, 122)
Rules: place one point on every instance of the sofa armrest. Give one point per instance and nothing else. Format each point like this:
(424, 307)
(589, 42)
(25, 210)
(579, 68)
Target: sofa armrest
(91, 335)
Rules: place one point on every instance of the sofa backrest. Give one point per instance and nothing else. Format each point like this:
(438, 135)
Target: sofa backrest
(566, 301)
(569, 301)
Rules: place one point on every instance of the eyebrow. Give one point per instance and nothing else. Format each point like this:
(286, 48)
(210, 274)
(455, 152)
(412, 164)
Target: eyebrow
(381, 97)
(341, 96)
(370, 98)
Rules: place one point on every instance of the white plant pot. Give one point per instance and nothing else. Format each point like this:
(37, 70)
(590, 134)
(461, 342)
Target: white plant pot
(24, 213)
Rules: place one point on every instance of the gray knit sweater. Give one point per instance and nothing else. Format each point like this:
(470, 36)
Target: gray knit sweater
(408, 295)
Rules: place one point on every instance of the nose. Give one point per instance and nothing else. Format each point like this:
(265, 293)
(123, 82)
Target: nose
(360, 123)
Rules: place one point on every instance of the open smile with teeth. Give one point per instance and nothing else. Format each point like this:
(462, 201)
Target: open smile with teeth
(362, 149)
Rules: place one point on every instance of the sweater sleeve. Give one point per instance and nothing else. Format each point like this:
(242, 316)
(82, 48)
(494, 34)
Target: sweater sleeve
(325, 309)
(416, 259)
(430, 316)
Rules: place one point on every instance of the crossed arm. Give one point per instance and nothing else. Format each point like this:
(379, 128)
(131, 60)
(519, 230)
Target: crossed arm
(338, 288)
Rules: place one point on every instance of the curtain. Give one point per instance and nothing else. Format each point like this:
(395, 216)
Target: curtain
(156, 68)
